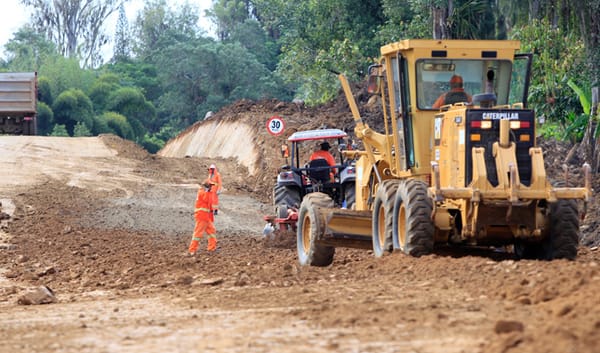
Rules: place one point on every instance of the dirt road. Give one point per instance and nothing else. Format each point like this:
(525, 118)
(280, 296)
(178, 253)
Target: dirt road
(106, 227)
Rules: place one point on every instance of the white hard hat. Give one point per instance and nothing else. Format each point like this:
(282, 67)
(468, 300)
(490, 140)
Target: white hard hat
(212, 166)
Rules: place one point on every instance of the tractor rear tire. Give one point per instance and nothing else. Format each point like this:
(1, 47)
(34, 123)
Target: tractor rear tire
(383, 217)
(413, 230)
(286, 195)
(350, 194)
(311, 224)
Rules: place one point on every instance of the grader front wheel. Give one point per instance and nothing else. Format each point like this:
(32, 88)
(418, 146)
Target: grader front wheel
(413, 230)
(383, 214)
(310, 225)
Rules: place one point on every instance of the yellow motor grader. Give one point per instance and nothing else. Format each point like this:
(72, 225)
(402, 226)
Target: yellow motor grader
(447, 168)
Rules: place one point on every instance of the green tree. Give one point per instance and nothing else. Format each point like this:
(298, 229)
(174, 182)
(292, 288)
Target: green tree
(320, 32)
(157, 26)
(119, 124)
(101, 125)
(71, 107)
(60, 131)
(252, 37)
(45, 119)
(45, 90)
(74, 26)
(121, 50)
(553, 65)
(64, 74)
(101, 90)
(131, 103)
(81, 130)
(27, 50)
(227, 15)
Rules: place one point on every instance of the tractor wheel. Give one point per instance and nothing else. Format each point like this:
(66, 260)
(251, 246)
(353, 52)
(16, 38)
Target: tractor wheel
(350, 194)
(561, 239)
(413, 230)
(311, 224)
(383, 215)
(285, 195)
(281, 211)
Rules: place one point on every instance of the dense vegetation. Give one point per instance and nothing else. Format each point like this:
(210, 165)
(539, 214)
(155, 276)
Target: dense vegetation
(166, 73)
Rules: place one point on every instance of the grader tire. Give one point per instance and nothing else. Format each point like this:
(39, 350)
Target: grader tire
(383, 217)
(562, 237)
(413, 230)
(564, 231)
(311, 224)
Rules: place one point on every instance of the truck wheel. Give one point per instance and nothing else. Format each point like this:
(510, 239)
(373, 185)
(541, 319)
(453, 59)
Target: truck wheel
(383, 214)
(350, 194)
(311, 224)
(285, 195)
(413, 229)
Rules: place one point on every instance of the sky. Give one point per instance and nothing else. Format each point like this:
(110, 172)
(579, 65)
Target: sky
(14, 15)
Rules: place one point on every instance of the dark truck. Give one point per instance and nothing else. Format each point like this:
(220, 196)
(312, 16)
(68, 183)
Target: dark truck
(18, 103)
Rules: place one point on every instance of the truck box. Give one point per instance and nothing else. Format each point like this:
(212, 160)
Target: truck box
(18, 103)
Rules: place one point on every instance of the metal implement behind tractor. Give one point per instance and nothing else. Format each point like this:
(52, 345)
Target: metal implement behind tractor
(466, 173)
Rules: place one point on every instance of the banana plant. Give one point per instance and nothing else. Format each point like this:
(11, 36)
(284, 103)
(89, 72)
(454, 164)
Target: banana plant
(577, 123)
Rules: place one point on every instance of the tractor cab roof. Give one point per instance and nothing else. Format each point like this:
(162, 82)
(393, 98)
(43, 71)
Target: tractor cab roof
(321, 134)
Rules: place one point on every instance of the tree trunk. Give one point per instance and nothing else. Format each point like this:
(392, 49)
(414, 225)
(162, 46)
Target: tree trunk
(440, 23)
(590, 145)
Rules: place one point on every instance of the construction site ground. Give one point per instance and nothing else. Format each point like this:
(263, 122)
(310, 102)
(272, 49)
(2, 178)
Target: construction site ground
(106, 226)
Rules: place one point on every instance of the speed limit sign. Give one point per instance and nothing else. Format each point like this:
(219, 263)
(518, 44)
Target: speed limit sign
(275, 125)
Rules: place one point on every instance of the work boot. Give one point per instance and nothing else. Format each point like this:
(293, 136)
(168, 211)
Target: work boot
(212, 244)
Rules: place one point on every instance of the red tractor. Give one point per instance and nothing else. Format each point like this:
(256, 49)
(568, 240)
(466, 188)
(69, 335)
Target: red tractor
(303, 176)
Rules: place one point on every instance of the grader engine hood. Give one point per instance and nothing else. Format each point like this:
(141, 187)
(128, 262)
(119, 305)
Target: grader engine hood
(491, 154)
(483, 130)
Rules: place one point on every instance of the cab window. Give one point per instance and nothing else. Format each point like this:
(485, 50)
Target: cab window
(434, 76)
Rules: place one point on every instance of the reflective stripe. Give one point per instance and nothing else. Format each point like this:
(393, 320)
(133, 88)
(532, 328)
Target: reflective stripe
(211, 236)
(197, 239)
(202, 209)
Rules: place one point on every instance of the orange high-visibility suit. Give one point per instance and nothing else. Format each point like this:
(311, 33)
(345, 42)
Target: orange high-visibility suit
(214, 177)
(203, 214)
(324, 154)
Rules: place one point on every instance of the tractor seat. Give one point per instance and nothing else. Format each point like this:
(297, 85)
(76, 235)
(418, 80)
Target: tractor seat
(317, 170)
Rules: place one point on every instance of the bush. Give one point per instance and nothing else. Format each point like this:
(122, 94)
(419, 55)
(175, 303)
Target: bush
(59, 130)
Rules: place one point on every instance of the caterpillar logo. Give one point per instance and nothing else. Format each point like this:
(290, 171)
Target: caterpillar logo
(500, 116)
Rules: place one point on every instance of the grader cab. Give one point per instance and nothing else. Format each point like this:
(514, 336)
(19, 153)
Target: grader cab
(463, 170)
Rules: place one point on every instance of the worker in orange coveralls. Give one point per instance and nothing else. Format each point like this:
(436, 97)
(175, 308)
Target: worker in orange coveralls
(215, 177)
(203, 214)
(323, 153)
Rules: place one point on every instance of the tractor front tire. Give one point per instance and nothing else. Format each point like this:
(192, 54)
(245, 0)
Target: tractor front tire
(311, 224)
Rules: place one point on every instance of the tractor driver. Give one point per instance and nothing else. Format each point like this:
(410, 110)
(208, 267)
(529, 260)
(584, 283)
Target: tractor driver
(323, 153)
(455, 95)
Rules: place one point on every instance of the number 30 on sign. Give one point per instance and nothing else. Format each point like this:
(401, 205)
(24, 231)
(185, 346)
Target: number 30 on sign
(275, 125)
